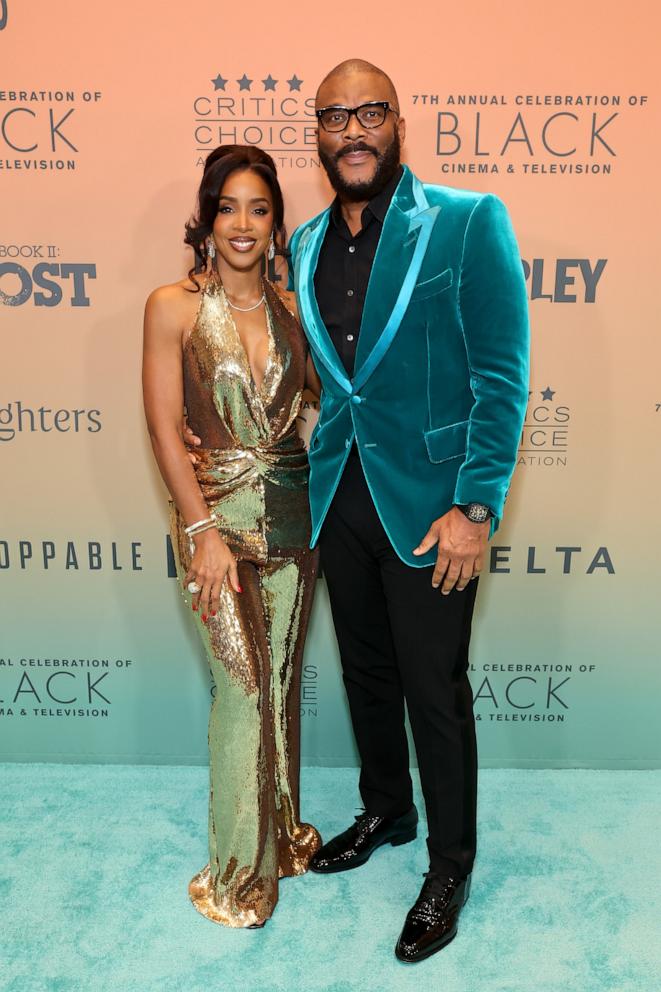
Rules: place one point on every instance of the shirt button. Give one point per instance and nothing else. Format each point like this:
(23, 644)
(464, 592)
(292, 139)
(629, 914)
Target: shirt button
(352, 248)
(350, 292)
(349, 337)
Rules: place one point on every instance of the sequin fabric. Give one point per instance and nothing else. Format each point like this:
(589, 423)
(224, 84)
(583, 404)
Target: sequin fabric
(253, 473)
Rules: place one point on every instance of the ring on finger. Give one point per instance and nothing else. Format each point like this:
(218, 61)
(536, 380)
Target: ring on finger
(194, 588)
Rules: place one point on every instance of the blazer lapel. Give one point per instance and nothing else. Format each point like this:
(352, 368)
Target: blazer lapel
(406, 231)
(305, 266)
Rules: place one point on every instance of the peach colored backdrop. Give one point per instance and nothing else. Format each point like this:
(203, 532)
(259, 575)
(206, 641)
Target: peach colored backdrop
(105, 114)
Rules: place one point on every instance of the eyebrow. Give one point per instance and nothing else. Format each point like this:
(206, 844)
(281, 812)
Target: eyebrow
(255, 199)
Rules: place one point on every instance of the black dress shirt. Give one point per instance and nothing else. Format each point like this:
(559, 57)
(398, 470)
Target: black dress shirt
(343, 271)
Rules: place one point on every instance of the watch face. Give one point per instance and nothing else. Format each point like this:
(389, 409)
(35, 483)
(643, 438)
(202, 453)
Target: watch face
(478, 513)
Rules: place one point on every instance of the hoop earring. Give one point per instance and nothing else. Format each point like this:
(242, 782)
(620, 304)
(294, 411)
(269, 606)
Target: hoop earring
(271, 252)
(211, 249)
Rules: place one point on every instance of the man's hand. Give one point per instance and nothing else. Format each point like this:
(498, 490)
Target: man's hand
(191, 441)
(461, 548)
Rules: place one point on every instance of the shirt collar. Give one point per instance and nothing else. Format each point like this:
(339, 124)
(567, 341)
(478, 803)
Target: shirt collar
(377, 206)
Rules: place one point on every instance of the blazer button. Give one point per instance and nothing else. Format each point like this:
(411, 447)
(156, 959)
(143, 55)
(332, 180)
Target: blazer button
(356, 399)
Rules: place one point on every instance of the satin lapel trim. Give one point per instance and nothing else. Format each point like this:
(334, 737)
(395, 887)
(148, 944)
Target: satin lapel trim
(388, 269)
(425, 222)
(305, 266)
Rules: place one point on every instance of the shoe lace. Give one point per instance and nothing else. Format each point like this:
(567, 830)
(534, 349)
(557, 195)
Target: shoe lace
(365, 819)
(434, 898)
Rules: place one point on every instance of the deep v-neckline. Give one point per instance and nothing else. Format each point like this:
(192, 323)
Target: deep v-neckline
(257, 388)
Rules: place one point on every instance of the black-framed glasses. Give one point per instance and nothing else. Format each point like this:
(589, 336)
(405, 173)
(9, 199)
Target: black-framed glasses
(370, 115)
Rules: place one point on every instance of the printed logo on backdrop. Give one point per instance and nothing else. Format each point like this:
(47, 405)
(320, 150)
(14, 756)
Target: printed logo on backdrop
(61, 688)
(527, 693)
(257, 109)
(70, 556)
(39, 128)
(552, 560)
(40, 276)
(64, 556)
(545, 435)
(18, 418)
(527, 134)
(310, 691)
(563, 280)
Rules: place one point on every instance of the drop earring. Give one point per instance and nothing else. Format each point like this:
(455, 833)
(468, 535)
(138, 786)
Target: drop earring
(211, 249)
(271, 252)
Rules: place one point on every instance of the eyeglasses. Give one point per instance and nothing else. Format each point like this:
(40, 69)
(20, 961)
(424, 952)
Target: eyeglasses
(368, 114)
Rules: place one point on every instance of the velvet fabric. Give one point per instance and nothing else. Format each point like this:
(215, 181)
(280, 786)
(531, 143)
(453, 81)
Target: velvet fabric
(440, 387)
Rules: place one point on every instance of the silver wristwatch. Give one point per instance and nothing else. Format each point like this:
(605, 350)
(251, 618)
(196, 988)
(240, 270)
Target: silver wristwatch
(477, 512)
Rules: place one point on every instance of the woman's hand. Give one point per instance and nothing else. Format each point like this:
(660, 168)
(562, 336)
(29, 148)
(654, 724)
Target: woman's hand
(212, 564)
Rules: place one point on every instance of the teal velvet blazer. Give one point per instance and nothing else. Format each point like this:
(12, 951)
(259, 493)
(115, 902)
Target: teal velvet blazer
(440, 387)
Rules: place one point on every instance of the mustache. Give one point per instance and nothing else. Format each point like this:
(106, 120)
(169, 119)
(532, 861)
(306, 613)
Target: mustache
(359, 146)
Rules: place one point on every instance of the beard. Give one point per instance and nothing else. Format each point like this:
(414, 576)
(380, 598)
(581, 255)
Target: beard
(387, 164)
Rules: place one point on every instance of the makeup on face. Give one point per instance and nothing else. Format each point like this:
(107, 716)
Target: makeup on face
(244, 221)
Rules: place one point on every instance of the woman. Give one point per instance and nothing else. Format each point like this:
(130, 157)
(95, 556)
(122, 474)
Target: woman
(228, 347)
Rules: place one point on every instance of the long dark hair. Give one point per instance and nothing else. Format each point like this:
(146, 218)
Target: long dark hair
(219, 164)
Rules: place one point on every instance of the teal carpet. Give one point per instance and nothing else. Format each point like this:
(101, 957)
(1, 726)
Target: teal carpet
(96, 861)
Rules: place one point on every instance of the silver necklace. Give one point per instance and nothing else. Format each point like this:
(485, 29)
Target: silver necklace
(246, 309)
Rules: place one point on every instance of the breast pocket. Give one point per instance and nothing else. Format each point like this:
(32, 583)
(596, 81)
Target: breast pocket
(430, 287)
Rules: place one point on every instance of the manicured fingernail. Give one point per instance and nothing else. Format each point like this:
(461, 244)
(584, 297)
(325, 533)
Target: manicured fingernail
(213, 613)
(195, 607)
(240, 589)
(204, 618)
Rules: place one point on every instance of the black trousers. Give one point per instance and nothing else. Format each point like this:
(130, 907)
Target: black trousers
(401, 640)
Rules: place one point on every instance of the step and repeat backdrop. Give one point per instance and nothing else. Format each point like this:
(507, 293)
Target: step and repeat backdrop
(106, 115)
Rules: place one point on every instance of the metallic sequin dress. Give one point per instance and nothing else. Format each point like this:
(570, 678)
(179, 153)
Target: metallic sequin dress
(253, 473)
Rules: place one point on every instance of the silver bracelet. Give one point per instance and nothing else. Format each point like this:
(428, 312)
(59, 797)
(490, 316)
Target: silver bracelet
(194, 528)
(201, 530)
(204, 526)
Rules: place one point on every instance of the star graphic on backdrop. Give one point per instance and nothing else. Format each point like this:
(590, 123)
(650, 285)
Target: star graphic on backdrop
(219, 82)
(548, 393)
(269, 82)
(244, 82)
(294, 83)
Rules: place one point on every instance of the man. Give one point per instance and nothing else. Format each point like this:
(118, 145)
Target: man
(413, 300)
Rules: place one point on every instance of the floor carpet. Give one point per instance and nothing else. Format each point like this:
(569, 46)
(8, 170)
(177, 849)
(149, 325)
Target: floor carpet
(96, 861)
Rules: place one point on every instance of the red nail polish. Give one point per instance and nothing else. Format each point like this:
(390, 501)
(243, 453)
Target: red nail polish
(195, 607)
(240, 589)
(213, 613)
(204, 618)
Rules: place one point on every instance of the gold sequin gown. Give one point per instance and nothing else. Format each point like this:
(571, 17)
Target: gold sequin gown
(253, 473)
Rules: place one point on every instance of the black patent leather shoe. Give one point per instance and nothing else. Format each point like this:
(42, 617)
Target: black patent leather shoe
(355, 846)
(432, 922)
